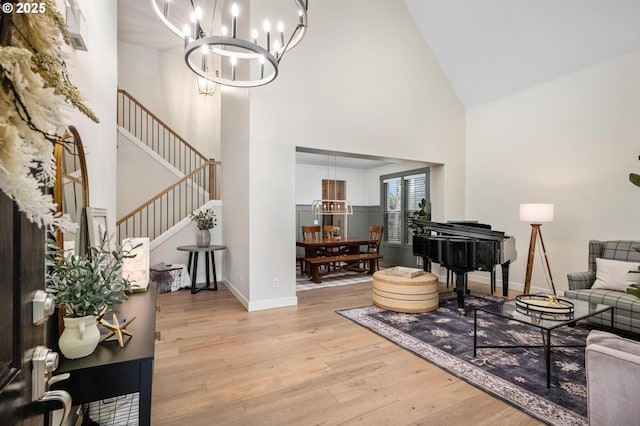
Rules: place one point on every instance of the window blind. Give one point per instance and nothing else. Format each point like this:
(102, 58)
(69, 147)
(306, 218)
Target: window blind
(393, 210)
(415, 190)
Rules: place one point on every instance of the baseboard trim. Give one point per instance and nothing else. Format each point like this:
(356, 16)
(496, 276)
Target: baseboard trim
(262, 304)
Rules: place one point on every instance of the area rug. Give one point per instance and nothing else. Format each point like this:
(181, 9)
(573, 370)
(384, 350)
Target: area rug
(517, 376)
(331, 280)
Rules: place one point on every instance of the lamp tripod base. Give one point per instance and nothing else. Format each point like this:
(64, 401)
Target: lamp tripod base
(536, 233)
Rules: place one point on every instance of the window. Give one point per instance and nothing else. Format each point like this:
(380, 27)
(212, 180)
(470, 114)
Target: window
(402, 194)
(393, 210)
(415, 190)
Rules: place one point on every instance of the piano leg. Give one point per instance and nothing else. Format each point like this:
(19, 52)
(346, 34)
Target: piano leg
(461, 278)
(505, 279)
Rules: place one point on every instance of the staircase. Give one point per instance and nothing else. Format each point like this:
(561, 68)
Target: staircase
(198, 177)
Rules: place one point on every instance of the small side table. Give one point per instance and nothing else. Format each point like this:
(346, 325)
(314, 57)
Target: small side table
(193, 265)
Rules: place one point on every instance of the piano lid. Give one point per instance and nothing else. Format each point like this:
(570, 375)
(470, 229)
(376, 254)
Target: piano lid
(459, 230)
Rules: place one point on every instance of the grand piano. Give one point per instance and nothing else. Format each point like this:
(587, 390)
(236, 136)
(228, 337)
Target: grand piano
(463, 247)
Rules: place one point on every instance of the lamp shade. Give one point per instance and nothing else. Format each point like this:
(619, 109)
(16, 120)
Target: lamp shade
(536, 213)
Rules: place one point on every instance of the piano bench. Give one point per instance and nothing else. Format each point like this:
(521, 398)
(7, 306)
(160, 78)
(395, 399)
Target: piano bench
(404, 294)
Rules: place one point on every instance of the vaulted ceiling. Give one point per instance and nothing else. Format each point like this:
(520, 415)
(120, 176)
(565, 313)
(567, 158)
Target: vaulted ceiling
(493, 48)
(487, 48)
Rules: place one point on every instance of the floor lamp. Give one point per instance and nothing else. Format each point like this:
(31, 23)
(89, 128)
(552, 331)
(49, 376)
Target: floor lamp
(536, 214)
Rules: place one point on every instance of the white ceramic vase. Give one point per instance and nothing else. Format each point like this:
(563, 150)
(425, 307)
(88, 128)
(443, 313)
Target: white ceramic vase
(203, 238)
(80, 337)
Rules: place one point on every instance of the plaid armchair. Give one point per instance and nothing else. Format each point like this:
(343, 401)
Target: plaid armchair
(616, 250)
(626, 306)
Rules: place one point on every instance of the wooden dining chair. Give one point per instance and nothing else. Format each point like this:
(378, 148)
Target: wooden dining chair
(375, 233)
(327, 231)
(312, 232)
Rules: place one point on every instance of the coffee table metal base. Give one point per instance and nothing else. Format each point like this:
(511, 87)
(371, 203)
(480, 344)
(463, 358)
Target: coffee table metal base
(546, 339)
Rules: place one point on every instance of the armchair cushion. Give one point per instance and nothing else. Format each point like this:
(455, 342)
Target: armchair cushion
(613, 379)
(615, 275)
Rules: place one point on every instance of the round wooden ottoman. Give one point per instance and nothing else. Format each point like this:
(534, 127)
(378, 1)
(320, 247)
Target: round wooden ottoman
(403, 294)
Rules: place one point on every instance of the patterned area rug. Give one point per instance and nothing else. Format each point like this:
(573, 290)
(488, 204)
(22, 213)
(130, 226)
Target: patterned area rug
(331, 280)
(517, 376)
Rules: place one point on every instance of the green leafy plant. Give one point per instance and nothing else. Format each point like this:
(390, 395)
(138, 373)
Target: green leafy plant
(86, 284)
(635, 288)
(204, 219)
(422, 212)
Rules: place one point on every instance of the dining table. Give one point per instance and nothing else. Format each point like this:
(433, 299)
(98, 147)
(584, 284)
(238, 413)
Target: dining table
(314, 248)
(317, 247)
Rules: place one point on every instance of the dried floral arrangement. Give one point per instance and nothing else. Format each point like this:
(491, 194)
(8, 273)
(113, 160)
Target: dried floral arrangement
(35, 93)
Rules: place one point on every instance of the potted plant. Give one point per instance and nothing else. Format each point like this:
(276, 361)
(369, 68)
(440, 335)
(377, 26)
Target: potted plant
(84, 286)
(205, 219)
(420, 214)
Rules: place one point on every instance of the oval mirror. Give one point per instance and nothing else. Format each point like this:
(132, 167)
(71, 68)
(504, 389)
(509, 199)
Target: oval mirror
(71, 188)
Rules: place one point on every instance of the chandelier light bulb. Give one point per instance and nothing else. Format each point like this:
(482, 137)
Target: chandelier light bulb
(281, 31)
(234, 20)
(186, 31)
(223, 30)
(234, 61)
(254, 36)
(198, 13)
(193, 18)
(266, 25)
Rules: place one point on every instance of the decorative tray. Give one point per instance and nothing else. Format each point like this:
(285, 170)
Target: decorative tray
(549, 306)
(402, 271)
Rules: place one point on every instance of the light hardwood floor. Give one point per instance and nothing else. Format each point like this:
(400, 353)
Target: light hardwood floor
(217, 364)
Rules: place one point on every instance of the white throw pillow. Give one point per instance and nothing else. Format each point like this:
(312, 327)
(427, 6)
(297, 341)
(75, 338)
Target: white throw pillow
(615, 275)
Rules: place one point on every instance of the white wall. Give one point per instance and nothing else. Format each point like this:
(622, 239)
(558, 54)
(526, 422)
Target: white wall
(164, 84)
(163, 249)
(136, 164)
(94, 72)
(309, 178)
(236, 175)
(350, 86)
(571, 142)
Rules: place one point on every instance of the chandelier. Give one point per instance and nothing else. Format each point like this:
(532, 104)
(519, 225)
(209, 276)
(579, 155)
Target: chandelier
(205, 87)
(332, 206)
(219, 49)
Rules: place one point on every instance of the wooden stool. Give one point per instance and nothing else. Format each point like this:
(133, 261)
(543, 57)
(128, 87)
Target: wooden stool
(402, 294)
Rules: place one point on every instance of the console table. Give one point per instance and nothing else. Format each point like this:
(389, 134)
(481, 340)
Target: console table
(113, 371)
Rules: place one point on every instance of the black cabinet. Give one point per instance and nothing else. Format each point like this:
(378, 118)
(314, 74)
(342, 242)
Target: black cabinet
(113, 371)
